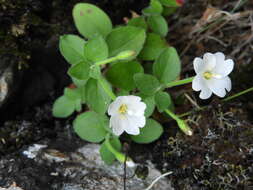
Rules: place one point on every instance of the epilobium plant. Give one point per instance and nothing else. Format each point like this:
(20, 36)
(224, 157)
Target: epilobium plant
(112, 91)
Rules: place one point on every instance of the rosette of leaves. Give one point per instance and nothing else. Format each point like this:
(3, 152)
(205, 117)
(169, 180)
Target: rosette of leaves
(94, 84)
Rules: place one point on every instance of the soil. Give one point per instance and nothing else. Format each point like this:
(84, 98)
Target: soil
(220, 153)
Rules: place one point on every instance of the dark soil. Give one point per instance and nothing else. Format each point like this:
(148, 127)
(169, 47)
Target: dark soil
(220, 153)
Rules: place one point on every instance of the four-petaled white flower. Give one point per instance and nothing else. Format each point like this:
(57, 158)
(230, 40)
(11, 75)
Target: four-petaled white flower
(212, 75)
(127, 114)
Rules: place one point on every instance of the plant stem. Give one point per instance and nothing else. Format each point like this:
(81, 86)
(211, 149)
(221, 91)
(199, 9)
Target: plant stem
(109, 60)
(181, 123)
(179, 82)
(224, 100)
(238, 94)
(120, 157)
(107, 89)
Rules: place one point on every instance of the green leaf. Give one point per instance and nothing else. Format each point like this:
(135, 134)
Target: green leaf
(138, 22)
(96, 49)
(63, 107)
(76, 94)
(80, 71)
(95, 71)
(147, 84)
(149, 133)
(78, 83)
(91, 20)
(167, 66)
(162, 100)
(97, 99)
(125, 38)
(106, 155)
(153, 46)
(154, 8)
(158, 24)
(121, 74)
(150, 102)
(169, 3)
(71, 48)
(90, 126)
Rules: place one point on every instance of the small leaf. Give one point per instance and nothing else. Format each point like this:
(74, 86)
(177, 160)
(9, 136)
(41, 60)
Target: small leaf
(150, 102)
(158, 24)
(125, 38)
(90, 126)
(147, 84)
(153, 46)
(96, 49)
(97, 99)
(63, 107)
(163, 101)
(95, 71)
(149, 133)
(71, 48)
(91, 20)
(78, 83)
(121, 74)
(170, 3)
(106, 155)
(154, 8)
(72, 94)
(80, 71)
(138, 22)
(167, 66)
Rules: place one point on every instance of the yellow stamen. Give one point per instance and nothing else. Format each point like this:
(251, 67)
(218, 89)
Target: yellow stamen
(123, 109)
(207, 75)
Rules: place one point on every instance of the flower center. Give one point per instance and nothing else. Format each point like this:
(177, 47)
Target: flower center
(208, 75)
(123, 109)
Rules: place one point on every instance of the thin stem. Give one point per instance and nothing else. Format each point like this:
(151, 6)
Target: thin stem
(109, 60)
(224, 100)
(107, 89)
(181, 123)
(179, 82)
(120, 157)
(238, 94)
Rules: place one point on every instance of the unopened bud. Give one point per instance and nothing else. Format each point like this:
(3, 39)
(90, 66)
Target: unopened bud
(184, 127)
(125, 54)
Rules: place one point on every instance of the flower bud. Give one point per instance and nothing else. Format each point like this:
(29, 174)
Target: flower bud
(184, 127)
(125, 54)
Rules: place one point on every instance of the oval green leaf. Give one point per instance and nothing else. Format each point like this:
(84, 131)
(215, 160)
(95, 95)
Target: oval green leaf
(80, 71)
(138, 22)
(91, 20)
(158, 24)
(96, 49)
(71, 48)
(167, 66)
(126, 38)
(147, 84)
(121, 74)
(162, 100)
(152, 48)
(63, 107)
(96, 98)
(149, 133)
(90, 127)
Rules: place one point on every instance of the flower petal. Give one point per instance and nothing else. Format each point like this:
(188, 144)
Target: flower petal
(115, 124)
(209, 61)
(114, 106)
(205, 93)
(224, 67)
(133, 124)
(198, 83)
(218, 86)
(228, 83)
(198, 65)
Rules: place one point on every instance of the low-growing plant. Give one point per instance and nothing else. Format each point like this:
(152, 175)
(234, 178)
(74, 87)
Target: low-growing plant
(122, 74)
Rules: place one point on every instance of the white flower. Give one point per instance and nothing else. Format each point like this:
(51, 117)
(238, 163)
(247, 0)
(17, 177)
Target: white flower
(127, 114)
(212, 75)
